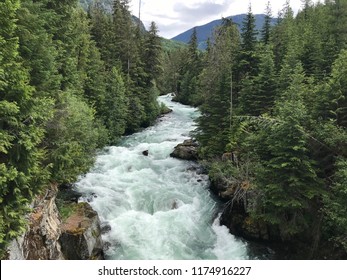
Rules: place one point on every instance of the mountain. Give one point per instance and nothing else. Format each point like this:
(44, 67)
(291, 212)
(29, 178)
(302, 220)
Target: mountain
(205, 31)
(107, 6)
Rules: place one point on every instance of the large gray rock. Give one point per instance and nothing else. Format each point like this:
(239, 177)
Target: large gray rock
(40, 242)
(48, 238)
(81, 236)
(188, 150)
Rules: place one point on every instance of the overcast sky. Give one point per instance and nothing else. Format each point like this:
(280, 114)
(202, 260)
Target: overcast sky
(176, 16)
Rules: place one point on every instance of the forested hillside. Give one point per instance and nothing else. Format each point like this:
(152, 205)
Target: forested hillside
(204, 32)
(273, 124)
(70, 82)
(272, 130)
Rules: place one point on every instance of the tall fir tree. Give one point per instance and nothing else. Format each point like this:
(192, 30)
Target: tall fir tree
(248, 57)
(258, 93)
(266, 29)
(214, 123)
(188, 93)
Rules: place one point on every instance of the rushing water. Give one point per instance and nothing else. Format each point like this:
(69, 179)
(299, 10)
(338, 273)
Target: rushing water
(158, 207)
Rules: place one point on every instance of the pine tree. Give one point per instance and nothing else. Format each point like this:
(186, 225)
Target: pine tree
(266, 30)
(258, 93)
(102, 34)
(193, 46)
(266, 80)
(114, 110)
(338, 23)
(248, 59)
(94, 88)
(334, 99)
(285, 35)
(152, 53)
(191, 69)
(214, 123)
(122, 39)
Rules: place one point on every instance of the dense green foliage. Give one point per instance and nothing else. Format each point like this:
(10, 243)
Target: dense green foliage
(70, 82)
(275, 105)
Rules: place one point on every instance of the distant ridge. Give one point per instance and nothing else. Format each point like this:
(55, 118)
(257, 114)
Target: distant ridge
(205, 31)
(107, 6)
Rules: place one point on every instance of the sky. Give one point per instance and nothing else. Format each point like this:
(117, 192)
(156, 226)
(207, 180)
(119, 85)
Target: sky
(176, 16)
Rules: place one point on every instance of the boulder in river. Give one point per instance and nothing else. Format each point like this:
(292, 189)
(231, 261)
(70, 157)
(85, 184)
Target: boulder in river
(188, 150)
(145, 153)
(165, 110)
(105, 228)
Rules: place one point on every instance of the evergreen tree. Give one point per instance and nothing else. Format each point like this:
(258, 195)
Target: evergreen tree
(266, 30)
(102, 34)
(285, 35)
(188, 93)
(114, 110)
(258, 93)
(22, 120)
(214, 123)
(336, 209)
(333, 101)
(172, 64)
(248, 58)
(37, 48)
(288, 182)
(152, 53)
(193, 47)
(94, 89)
(73, 138)
(338, 23)
(122, 36)
(152, 68)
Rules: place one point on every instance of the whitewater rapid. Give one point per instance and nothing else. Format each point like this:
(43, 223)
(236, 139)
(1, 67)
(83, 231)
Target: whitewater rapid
(157, 207)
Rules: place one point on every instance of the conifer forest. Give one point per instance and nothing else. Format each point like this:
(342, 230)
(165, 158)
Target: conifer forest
(273, 110)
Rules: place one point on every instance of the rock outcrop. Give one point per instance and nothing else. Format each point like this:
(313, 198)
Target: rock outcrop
(48, 238)
(40, 242)
(236, 193)
(241, 224)
(81, 235)
(188, 150)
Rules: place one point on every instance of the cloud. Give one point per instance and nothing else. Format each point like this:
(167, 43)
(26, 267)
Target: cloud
(171, 29)
(200, 10)
(176, 16)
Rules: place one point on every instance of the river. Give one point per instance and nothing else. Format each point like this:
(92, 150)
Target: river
(158, 207)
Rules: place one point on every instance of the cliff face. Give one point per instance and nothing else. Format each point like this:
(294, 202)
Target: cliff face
(48, 238)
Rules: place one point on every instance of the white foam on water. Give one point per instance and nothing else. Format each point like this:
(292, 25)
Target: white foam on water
(158, 207)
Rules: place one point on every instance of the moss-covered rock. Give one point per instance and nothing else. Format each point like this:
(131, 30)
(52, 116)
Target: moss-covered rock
(81, 234)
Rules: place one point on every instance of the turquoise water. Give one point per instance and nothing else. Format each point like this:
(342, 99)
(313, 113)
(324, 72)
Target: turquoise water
(158, 207)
